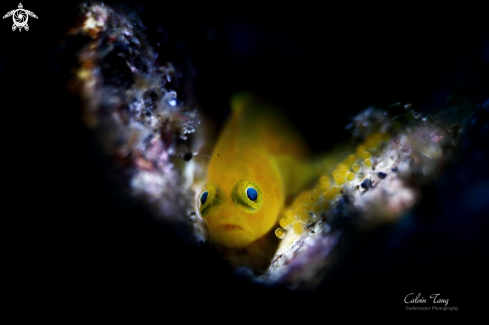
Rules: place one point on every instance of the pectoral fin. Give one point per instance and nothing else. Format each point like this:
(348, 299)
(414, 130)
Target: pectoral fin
(296, 173)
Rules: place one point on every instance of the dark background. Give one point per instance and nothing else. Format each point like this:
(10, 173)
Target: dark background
(71, 233)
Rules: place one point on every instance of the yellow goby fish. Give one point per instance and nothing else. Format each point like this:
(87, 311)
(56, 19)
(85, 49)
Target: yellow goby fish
(259, 160)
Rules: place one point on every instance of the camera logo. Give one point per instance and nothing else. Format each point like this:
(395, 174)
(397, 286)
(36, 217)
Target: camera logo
(20, 17)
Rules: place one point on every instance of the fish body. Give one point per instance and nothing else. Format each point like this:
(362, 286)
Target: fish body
(259, 160)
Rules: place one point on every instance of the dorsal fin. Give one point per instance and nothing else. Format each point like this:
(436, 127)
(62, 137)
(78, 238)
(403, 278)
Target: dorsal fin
(240, 100)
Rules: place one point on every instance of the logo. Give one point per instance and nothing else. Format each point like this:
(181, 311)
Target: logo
(443, 303)
(20, 17)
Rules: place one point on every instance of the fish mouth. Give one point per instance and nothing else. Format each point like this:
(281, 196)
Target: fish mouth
(228, 227)
(232, 234)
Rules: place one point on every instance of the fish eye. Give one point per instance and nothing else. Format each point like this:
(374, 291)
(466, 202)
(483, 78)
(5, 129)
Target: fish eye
(251, 193)
(208, 198)
(203, 197)
(247, 195)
